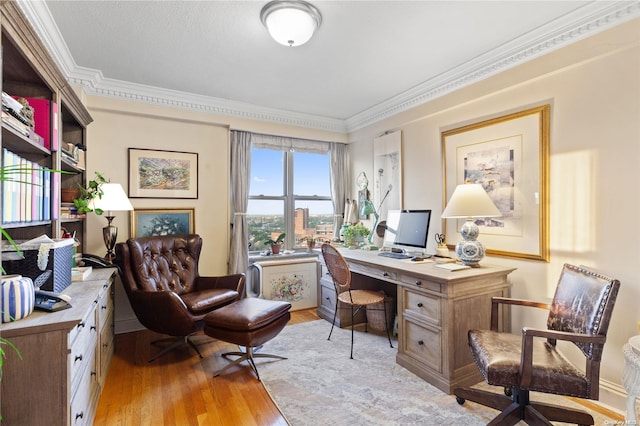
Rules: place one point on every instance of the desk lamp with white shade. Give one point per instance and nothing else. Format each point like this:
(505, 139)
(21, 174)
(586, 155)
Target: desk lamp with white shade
(469, 201)
(113, 199)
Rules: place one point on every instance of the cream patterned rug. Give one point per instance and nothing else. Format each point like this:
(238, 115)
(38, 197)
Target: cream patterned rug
(319, 385)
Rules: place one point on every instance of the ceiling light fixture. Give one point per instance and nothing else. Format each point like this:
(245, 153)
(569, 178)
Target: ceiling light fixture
(291, 22)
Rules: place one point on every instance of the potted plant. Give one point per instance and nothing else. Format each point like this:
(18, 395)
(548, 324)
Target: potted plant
(355, 234)
(311, 241)
(276, 244)
(86, 195)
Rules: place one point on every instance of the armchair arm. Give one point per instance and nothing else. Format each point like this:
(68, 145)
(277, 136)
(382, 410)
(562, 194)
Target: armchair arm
(162, 312)
(526, 360)
(231, 282)
(497, 301)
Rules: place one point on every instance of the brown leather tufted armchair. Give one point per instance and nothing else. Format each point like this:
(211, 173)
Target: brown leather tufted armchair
(579, 313)
(167, 294)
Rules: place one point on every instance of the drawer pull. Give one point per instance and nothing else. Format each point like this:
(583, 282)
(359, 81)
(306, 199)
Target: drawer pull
(421, 342)
(80, 415)
(78, 358)
(418, 283)
(385, 274)
(94, 373)
(420, 305)
(104, 307)
(81, 325)
(93, 328)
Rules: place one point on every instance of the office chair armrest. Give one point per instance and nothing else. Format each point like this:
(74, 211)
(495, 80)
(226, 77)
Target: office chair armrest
(497, 301)
(231, 282)
(526, 360)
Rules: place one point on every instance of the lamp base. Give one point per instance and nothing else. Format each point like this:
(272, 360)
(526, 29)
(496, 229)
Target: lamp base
(469, 250)
(109, 235)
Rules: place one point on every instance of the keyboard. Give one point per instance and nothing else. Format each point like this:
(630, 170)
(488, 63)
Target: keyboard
(393, 255)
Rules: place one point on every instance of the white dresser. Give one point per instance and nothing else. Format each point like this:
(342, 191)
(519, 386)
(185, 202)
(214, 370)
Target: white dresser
(65, 358)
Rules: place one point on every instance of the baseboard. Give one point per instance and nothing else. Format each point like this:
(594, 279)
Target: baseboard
(127, 325)
(613, 397)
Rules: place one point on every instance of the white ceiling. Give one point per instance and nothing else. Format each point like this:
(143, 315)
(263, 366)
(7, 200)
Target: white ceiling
(368, 60)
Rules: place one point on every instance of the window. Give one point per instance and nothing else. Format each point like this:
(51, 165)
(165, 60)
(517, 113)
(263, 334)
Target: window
(289, 192)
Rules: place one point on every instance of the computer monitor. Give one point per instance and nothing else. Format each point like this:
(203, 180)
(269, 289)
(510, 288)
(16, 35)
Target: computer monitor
(407, 230)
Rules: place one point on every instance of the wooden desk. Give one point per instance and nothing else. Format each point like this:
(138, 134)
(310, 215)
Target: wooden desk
(435, 310)
(65, 357)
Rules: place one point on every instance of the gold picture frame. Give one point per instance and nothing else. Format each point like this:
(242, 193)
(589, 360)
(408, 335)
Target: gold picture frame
(509, 156)
(155, 222)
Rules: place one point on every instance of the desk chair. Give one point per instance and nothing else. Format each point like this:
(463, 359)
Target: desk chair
(579, 313)
(354, 299)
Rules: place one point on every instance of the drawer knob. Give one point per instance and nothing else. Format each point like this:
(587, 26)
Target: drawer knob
(418, 283)
(421, 342)
(78, 358)
(419, 304)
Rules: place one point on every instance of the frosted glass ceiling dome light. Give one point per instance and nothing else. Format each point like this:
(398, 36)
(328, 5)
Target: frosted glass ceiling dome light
(291, 22)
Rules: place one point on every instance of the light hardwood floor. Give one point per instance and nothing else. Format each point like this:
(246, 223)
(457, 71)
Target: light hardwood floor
(178, 388)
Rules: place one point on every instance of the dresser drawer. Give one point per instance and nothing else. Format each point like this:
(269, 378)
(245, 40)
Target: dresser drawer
(83, 345)
(81, 403)
(424, 344)
(106, 348)
(105, 307)
(424, 306)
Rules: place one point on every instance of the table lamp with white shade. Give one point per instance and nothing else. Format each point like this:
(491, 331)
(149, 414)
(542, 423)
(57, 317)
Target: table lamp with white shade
(113, 199)
(469, 201)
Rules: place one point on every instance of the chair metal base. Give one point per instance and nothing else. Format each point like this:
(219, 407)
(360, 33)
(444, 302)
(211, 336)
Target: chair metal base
(249, 356)
(519, 407)
(354, 311)
(174, 342)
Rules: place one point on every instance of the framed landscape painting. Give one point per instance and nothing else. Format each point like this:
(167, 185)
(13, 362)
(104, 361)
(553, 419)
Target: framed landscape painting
(509, 157)
(162, 174)
(158, 222)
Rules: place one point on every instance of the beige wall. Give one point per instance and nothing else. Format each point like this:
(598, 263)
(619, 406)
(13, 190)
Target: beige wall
(594, 158)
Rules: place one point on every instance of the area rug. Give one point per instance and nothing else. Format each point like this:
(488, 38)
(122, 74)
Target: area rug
(319, 385)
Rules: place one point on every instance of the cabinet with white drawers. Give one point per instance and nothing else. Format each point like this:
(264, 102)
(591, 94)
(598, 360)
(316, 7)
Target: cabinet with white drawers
(65, 358)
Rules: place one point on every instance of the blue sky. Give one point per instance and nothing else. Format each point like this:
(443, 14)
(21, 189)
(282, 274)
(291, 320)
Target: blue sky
(311, 177)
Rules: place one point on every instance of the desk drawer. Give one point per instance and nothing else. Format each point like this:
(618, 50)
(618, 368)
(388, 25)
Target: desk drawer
(427, 307)
(84, 394)
(424, 344)
(374, 271)
(328, 295)
(420, 283)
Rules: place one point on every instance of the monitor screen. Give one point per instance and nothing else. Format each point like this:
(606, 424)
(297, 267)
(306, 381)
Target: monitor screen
(407, 229)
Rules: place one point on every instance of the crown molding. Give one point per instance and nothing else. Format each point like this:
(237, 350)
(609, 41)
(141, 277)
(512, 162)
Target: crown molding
(577, 25)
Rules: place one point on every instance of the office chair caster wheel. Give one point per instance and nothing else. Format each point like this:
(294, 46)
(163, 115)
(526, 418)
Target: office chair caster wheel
(508, 392)
(460, 400)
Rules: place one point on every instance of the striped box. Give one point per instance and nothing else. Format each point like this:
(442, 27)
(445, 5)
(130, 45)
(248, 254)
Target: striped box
(17, 298)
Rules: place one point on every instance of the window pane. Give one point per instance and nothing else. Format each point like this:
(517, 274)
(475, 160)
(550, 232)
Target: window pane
(267, 172)
(313, 219)
(311, 174)
(265, 225)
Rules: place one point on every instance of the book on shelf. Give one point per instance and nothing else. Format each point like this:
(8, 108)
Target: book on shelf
(80, 273)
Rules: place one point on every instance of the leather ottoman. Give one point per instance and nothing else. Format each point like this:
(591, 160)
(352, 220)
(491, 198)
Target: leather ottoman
(250, 323)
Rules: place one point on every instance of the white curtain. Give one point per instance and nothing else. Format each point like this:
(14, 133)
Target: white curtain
(240, 173)
(340, 184)
(284, 144)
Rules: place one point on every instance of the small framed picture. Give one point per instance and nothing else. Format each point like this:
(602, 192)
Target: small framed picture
(156, 222)
(162, 174)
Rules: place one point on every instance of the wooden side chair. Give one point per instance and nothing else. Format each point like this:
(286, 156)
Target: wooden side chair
(579, 313)
(353, 299)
